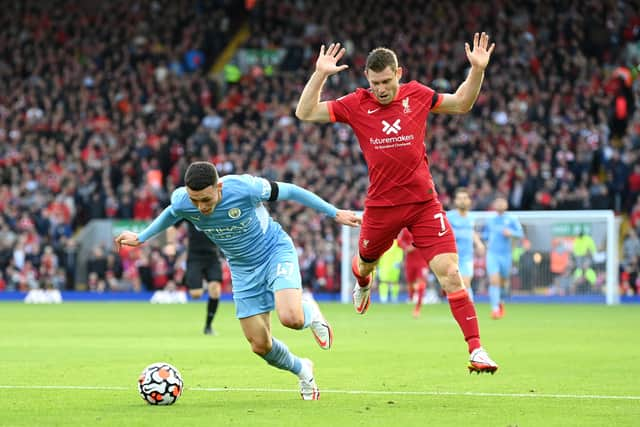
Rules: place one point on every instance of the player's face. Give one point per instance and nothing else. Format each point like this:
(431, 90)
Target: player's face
(462, 201)
(206, 199)
(384, 84)
(500, 205)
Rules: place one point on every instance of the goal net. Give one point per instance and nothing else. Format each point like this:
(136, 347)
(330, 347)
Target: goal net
(565, 256)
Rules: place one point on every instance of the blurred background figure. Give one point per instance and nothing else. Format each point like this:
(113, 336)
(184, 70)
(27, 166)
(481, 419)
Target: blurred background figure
(416, 271)
(501, 229)
(389, 269)
(467, 239)
(204, 271)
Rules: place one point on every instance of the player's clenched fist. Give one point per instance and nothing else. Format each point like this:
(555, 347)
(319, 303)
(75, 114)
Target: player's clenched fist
(127, 238)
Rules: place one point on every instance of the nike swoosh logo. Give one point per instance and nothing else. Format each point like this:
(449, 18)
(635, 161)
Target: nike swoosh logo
(372, 111)
(194, 218)
(471, 318)
(442, 233)
(322, 343)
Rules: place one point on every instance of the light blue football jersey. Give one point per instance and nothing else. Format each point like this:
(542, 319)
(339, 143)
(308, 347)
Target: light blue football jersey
(261, 256)
(463, 229)
(240, 224)
(498, 243)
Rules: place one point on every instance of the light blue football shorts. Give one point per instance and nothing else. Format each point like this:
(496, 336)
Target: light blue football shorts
(499, 264)
(466, 267)
(258, 285)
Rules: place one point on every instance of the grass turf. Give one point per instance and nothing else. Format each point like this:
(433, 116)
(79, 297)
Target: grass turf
(385, 368)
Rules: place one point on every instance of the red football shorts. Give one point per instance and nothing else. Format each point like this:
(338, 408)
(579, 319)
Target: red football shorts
(426, 221)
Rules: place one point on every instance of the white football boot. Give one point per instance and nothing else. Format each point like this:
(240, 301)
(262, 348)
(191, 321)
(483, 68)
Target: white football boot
(322, 331)
(308, 387)
(479, 361)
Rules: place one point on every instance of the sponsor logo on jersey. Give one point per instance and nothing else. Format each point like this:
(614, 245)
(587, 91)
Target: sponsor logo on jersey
(389, 128)
(229, 231)
(393, 139)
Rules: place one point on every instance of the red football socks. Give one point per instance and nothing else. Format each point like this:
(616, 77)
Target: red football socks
(362, 281)
(465, 314)
(420, 291)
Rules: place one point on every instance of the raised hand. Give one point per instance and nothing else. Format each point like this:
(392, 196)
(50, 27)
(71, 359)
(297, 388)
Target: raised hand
(348, 218)
(327, 60)
(127, 238)
(479, 56)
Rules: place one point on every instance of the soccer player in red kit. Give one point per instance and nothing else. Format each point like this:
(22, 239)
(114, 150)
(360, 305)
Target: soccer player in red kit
(416, 269)
(389, 120)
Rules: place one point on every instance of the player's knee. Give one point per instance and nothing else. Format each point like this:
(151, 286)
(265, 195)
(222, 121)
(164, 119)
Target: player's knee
(195, 293)
(451, 280)
(293, 319)
(214, 290)
(259, 346)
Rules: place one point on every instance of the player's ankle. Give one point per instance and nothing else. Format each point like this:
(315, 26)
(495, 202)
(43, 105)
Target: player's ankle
(306, 372)
(474, 344)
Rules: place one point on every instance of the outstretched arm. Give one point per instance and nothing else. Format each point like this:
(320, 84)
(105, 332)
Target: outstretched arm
(161, 223)
(298, 194)
(309, 106)
(463, 99)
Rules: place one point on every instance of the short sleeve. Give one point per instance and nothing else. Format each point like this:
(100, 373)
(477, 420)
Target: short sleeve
(179, 200)
(428, 97)
(340, 110)
(436, 100)
(259, 188)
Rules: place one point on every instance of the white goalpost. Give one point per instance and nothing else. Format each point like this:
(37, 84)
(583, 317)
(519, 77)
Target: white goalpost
(548, 270)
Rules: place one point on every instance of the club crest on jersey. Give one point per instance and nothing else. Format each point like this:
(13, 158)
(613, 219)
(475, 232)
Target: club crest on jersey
(234, 213)
(405, 105)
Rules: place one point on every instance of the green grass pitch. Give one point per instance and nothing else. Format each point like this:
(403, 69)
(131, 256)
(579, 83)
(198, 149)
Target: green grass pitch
(77, 365)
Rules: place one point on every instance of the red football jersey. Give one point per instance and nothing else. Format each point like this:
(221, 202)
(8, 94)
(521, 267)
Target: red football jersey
(392, 140)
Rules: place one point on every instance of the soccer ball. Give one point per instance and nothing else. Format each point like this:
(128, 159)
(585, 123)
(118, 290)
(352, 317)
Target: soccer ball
(160, 384)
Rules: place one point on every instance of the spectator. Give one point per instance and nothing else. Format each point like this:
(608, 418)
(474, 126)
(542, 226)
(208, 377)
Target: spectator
(79, 133)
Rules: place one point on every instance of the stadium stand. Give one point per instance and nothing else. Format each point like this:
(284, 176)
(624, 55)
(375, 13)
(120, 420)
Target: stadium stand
(103, 106)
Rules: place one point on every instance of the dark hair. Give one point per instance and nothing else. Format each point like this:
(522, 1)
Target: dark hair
(461, 190)
(200, 175)
(381, 58)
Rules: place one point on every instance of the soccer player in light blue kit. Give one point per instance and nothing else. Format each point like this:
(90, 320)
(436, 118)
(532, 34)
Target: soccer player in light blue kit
(463, 224)
(262, 258)
(500, 229)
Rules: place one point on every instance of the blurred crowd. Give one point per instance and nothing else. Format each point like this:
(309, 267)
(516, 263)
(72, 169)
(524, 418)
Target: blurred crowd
(103, 106)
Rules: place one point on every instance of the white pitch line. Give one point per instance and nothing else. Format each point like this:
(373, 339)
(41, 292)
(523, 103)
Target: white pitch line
(65, 387)
(357, 392)
(427, 393)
